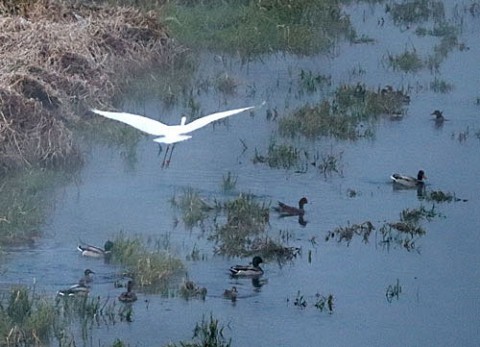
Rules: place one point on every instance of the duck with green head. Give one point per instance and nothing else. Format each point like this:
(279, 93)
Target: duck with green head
(250, 270)
(94, 251)
(409, 181)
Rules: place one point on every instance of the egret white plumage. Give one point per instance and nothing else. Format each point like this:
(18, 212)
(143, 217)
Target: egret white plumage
(169, 134)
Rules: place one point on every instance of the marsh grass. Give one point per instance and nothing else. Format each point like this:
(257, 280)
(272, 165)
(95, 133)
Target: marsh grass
(25, 202)
(246, 219)
(416, 11)
(408, 61)
(279, 156)
(193, 207)
(324, 303)
(393, 291)
(329, 163)
(25, 320)
(152, 269)
(207, 333)
(346, 234)
(229, 182)
(226, 84)
(441, 86)
(310, 82)
(440, 196)
(253, 28)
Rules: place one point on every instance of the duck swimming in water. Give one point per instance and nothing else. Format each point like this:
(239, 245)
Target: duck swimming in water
(129, 295)
(286, 210)
(94, 251)
(231, 293)
(409, 181)
(439, 118)
(250, 270)
(82, 288)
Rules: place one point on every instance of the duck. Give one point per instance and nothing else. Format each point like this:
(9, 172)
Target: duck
(94, 251)
(231, 293)
(439, 118)
(250, 270)
(409, 181)
(129, 295)
(286, 210)
(82, 288)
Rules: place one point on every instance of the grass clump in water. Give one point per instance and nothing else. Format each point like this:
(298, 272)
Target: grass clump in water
(440, 86)
(408, 61)
(416, 11)
(246, 220)
(393, 291)
(279, 156)
(193, 207)
(229, 182)
(259, 27)
(206, 334)
(26, 321)
(346, 234)
(152, 269)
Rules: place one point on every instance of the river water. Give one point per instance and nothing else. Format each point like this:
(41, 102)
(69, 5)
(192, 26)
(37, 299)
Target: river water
(439, 303)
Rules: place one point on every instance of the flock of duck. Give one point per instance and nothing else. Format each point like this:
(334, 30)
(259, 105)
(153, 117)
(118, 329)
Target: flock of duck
(82, 288)
(177, 133)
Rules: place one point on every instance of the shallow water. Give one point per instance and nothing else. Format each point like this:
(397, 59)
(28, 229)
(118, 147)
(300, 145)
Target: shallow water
(439, 304)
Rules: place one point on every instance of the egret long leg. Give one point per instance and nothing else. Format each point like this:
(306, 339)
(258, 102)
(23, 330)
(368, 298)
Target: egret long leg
(170, 157)
(165, 156)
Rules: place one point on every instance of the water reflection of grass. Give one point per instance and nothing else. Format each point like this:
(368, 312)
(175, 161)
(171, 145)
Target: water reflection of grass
(253, 27)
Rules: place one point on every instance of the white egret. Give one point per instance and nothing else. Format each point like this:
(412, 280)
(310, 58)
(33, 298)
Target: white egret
(169, 134)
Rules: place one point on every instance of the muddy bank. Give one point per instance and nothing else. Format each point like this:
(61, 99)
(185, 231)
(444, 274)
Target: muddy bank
(58, 60)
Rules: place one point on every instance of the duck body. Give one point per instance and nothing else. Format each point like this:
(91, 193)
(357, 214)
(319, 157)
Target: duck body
(251, 270)
(231, 293)
(75, 290)
(286, 210)
(129, 295)
(94, 251)
(409, 181)
(82, 288)
(439, 118)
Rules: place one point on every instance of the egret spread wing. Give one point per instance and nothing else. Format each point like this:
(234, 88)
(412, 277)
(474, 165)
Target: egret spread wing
(201, 122)
(148, 125)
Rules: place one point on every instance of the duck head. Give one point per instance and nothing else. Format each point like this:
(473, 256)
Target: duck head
(257, 261)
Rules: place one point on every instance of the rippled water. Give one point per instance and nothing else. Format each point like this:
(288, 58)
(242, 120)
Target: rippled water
(439, 304)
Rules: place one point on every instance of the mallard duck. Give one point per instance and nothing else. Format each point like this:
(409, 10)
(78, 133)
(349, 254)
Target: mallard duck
(94, 251)
(129, 295)
(81, 288)
(248, 270)
(75, 290)
(231, 293)
(286, 210)
(409, 181)
(87, 278)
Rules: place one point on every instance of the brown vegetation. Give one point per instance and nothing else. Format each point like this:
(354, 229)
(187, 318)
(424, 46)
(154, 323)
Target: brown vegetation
(59, 60)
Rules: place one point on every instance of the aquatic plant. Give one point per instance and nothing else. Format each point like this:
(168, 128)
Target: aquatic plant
(393, 291)
(408, 61)
(246, 219)
(190, 289)
(279, 156)
(329, 163)
(300, 300)
(152, 269)
(346, 234)
(193, 207)
(440, 86)
(226, 84)
(252, 28)
(311, 83)
(24, 203)
(206, 334)
(416, 11)
(324, 302)
(229, 182)
(440, 196)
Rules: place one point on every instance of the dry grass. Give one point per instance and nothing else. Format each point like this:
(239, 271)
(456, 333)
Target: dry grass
(59, 60)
